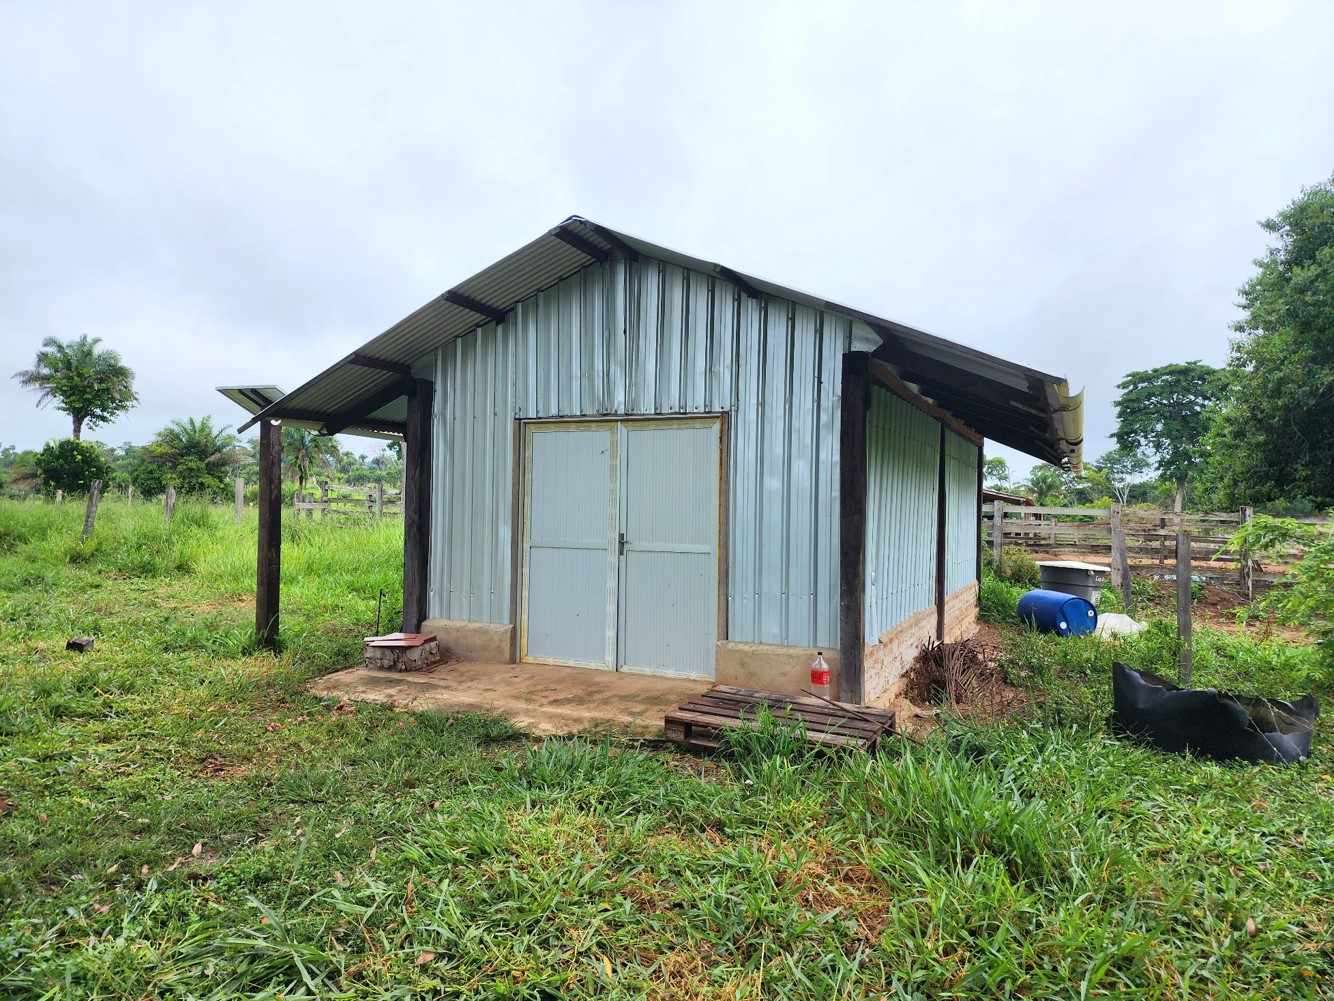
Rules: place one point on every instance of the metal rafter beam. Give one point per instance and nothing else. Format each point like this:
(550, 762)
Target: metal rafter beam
(383, 364)
(362, 410)
(494, 313)
(738, 280)
(582, 244)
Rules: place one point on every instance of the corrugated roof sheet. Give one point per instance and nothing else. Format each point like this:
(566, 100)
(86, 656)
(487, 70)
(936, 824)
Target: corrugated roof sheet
(1010, 403)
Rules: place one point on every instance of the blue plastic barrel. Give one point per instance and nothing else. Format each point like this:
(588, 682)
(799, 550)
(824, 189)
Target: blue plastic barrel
(1058, 612)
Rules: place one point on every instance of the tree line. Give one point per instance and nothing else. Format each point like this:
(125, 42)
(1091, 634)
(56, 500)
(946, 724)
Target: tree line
(1259, 430)
(1256, 431)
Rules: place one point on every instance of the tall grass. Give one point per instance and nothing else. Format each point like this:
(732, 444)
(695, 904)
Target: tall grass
(373, 854)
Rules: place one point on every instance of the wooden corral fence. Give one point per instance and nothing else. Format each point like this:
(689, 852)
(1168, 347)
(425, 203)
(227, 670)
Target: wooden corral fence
(376, 502)
(1141, 538)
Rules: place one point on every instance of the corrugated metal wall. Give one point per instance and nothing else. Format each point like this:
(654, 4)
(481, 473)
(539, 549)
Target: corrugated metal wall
(643, 338)
(961, 527)
(902, 479)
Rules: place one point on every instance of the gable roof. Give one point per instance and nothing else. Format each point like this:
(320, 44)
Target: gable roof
(1018, 406)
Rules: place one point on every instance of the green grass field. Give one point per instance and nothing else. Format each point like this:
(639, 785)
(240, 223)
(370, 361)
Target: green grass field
(180, 821)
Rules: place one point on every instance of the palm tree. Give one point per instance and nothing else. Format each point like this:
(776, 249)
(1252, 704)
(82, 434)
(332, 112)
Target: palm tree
(91, 385)
(196, 454)
(305, 451)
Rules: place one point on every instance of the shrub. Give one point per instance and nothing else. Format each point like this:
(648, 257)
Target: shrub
(1018, 567)
(998, 601)
(71, 465)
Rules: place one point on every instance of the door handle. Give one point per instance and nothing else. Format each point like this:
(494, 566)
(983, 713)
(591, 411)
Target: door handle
(620, 544)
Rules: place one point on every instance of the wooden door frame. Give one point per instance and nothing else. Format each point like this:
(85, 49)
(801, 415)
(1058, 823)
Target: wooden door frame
(522, 494)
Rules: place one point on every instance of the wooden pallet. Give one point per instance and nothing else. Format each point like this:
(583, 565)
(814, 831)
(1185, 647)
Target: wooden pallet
(701, 722)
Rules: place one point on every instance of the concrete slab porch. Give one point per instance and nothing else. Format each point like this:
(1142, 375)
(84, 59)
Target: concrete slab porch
(542, 699)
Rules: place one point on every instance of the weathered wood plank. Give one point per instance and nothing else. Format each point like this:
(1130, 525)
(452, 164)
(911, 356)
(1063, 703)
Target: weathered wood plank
(90, 512)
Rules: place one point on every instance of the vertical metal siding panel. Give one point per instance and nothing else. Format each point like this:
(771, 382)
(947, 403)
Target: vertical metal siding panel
(902, 456)
(801, 477)
(745, 477)
(961, 539)
(700, 353)
(671, 340)
(636, 338)
(439, 449)
(617, 327)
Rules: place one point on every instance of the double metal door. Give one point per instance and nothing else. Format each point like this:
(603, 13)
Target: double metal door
(620, 545)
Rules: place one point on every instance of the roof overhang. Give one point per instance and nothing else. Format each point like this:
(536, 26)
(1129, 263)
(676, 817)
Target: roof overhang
(257, 399)
(363, 392)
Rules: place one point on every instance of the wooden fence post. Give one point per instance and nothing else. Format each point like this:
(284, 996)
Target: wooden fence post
(169, 502)
(1247, 578)
(60, 496)
(997, 532)
(1185, 657)
(240, 499)
(1121, 561)
(90, 512)
(379, 498)
(324, 500)
(129, 493)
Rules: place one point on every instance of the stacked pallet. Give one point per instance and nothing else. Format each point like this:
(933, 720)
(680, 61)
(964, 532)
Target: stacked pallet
(701, 722)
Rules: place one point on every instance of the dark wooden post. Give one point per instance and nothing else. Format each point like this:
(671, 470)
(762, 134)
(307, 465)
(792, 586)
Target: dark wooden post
(416, 504)
(941, 513)
(1247, 576)
(90, 512)
(270, 505)
(980, 471)
(856, 398)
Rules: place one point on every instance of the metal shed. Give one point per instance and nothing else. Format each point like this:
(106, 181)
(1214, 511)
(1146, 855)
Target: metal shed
(623, 457)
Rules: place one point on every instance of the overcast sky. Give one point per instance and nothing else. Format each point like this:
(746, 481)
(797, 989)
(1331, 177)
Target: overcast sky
(245, 193)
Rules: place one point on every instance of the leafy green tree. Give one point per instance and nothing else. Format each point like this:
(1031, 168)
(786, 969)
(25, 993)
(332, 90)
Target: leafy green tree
(194, 455)
(71, 465)
(1120, 469)
(1164, 412)
(1273, 436)
(996, 472)
(18, 470)
(1307, 597)
(305, 452)
(1047, 485)
(93, 386)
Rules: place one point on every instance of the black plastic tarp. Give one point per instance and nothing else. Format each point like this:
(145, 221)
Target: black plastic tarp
(1211, 723)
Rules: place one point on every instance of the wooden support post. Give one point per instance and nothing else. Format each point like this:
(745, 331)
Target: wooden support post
(90, 512)
(1247, 575)
(942, 512)
(1121, 561)
(850, 684)
(416, 504)
(997, 533)
(269, 557)
(169, 502)
(379, 498)
(980, 471)
(240, 498)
